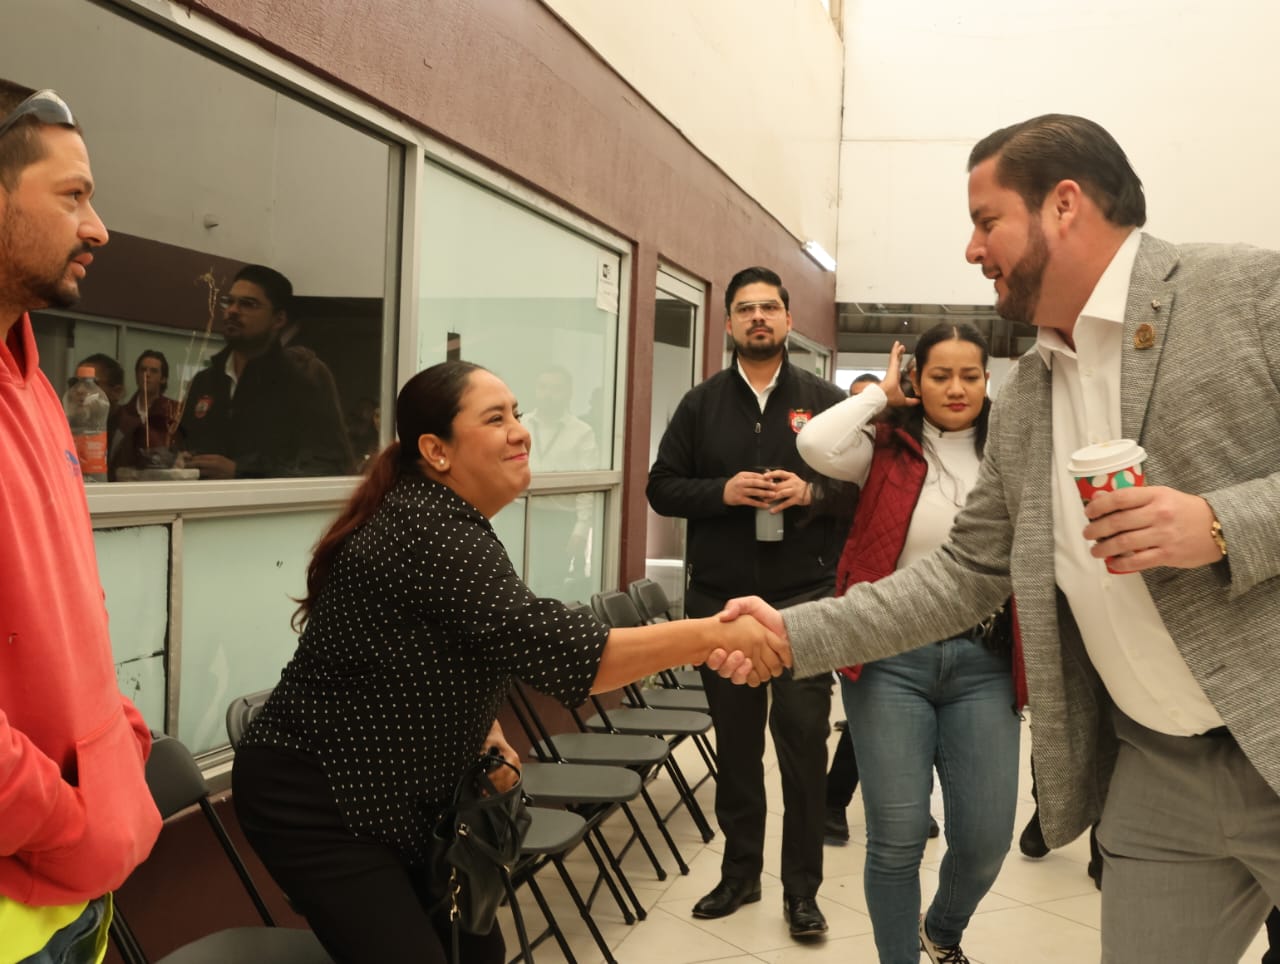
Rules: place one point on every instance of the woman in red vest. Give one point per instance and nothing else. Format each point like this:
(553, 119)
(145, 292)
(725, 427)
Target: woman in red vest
(951, 705)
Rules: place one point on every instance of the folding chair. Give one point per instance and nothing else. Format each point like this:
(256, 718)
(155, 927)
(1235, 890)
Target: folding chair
(654, 607)
(674, 725)
(176, 784)
(241, 713)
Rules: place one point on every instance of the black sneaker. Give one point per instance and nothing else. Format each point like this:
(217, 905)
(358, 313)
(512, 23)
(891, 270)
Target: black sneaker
(1031, 843)
(933, 828)
(835, 829)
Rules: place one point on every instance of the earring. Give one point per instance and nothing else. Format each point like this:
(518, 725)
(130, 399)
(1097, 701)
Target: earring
(442, 461)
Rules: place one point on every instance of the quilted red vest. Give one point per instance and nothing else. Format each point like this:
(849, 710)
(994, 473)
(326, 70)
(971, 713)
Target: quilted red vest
(879, 530)
(885, 506)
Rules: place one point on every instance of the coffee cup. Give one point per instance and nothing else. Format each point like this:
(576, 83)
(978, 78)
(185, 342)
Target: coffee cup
(1107, 467)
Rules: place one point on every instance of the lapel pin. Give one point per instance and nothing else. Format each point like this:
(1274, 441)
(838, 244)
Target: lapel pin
(1145, 336)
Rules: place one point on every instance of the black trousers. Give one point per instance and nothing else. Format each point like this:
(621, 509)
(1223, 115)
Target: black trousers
(365, 904)
(798, 713)
(842, 778)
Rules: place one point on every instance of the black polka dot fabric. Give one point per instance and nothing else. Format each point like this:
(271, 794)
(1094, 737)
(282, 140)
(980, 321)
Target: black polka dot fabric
(407, 657)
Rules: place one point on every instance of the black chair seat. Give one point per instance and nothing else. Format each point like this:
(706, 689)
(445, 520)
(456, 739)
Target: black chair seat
(609, 748)
(558, 784)
(553, 831)
(661, 698)
(646, 721)
(278, 945)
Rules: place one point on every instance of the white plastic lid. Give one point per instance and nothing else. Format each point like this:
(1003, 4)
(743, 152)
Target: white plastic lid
(1120, 453)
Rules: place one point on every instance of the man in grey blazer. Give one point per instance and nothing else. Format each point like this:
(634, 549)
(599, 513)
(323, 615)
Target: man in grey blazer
(1154, 691)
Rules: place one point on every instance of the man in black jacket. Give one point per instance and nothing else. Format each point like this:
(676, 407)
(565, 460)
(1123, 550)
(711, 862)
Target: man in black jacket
(260, 409)
(728, 464)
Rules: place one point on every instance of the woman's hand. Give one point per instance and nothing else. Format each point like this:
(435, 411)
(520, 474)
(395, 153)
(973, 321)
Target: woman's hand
(504, 778)
(892, 384)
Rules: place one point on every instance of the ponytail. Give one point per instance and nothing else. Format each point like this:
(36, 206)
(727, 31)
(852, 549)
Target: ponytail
(381, 476)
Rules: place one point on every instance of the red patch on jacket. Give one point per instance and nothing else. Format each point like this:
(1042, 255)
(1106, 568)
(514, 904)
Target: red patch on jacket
(203, 405)
(799, 418)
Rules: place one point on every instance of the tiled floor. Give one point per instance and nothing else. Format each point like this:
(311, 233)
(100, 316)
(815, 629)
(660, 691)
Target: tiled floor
(1039, 912)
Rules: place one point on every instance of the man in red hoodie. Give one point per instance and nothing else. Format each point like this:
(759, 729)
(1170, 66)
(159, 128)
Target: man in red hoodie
(75, 813)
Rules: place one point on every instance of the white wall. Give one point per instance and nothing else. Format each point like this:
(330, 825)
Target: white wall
(753, 84)
(1187, 88)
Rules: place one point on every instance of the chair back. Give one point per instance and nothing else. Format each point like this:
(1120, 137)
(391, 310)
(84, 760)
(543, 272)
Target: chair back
(616, 609)
(651, 600)
(241, 713)
(173, 776)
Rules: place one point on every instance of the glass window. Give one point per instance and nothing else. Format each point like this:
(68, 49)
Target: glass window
(536, 303)
(202, 170)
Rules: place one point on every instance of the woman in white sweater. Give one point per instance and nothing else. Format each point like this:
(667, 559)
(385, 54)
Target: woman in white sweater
(949, 706)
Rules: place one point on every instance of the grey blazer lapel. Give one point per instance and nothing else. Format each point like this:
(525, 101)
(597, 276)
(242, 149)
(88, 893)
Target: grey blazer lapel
(1148, 314)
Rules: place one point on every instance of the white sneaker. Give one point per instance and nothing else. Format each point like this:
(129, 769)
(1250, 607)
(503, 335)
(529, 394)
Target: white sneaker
(940, 955)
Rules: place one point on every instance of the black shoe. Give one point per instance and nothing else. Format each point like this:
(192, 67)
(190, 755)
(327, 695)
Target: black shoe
(835, 829)
(803, 916)
(840, 725)
(1031, 843)
(726, 897)
(1095, 871)
(933, 828)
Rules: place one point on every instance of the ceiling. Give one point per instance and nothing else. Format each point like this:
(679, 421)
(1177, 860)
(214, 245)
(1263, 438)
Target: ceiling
(874, 327)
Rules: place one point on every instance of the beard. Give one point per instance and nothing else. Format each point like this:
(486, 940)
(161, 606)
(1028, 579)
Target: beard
(31, 276)
(758, 351)
(1025, 280)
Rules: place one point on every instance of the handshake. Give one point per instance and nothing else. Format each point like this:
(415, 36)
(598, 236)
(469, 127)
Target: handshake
(749, 643)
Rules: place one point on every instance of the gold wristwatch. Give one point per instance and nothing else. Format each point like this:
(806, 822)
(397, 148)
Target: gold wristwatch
(1215, 531)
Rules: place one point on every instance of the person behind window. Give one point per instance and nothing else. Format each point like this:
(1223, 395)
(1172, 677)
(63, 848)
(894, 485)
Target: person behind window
(413, 623)
(75, 813)
(148, 421)
(560, 442)
(952, 703)
(260, 409)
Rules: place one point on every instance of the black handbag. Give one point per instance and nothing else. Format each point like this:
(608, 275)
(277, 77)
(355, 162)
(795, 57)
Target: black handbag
(474, 844)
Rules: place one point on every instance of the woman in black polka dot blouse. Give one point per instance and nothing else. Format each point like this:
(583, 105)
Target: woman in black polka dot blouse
(413, 623)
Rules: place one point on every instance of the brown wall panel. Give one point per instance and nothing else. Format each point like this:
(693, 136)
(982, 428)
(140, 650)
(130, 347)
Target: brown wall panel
(510, 83)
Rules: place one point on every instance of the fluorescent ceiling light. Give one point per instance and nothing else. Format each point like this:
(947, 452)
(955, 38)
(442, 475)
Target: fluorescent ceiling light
(819, 254)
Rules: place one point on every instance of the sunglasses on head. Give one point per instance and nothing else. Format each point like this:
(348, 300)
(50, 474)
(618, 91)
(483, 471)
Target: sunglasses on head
(45, 105)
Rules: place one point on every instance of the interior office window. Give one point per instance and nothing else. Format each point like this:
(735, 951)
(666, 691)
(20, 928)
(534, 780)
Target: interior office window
(537, 304)
(201, 170)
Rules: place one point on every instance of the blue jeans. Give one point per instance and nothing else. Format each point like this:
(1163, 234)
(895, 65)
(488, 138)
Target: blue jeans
(78, 942)
(948, 706)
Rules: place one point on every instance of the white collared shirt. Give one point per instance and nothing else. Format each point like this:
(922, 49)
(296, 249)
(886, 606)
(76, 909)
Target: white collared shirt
(762, 396)
(1126, 639)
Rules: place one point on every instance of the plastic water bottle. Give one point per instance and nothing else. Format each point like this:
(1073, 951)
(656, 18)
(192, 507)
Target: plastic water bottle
(87, 408)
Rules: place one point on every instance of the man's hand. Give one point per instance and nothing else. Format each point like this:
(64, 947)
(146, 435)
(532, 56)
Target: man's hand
(749, 488)
(1148, 526)
(758, 609)
(213, 466)
(788, 490)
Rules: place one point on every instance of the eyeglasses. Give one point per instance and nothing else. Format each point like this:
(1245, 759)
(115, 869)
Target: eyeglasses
(45, 105)
(770, 309)
(244, 304)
